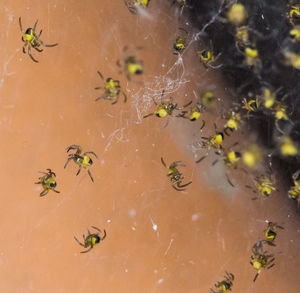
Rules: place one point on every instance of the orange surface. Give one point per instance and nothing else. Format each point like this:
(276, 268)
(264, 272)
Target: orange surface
(158, 239)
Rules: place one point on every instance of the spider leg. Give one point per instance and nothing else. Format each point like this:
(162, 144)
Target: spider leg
(78, 171)
(20, 24)
(255, 277)
(34, 27)
(99, 87)
(184, 185)
(86, 250)
(177, 188)
(29, 53)
(69, 159)
(48, 45)
(162, 96)
(23, 48)
(184, 106)
(78, 241)
(148, 115)
(74, 147)
(154, 101)
(215, 162)
(226, 130)
(39, 50)
(104, 96)
(167, 123)
(116, 101)
(228, 180)
(96, 228)
(90, 174)
(104, 235)
(163, 162)
(101, 76)
(40, 182)
(201, 159)
(125, 97)
(44, 192)
(56, 191)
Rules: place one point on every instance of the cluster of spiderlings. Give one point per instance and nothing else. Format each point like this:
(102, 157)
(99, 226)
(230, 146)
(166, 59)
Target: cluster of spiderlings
(259, 45)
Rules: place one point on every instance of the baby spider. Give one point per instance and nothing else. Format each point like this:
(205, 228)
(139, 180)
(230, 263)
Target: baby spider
(209, 99)
(112, 90)
(31, 39)
(233, 121)
(81, 160)
(134, 5)
(208, 58)
(294, 191)
(251, 106)
(264, 185)
(48, 182)
(295, 33)
(213, 141)
(237, 14)
(165, 108)
(195, 112)
(252, 155)
(131, 66)
(175, 176)
(260, 259)
(288, 146)
(271, 233)
(294, 13)
(224, 285)
(180, 43)
(91, 240)
(230, 158)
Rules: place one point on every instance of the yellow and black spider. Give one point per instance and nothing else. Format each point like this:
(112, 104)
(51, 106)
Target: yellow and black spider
(294, 13)
(91, 240)
(265, 185)
(131, 65)
(112, 89)
(294, 191)
(180, 43)
(251, 106)
(233, 121)
(175, 176)
(208, 58)
(32, 40)
(83, 161)
(214, 141)
(48, 182)
(165, 108)
(134, 5)
(224, 285)
(260, 259)
(231, 159)
(271, 233)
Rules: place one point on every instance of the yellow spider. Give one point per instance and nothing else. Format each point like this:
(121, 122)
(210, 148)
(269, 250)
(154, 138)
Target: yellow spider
(91, 240)
(175, 176)
(251, 106)
(224, 285)
(134, 5)
(32, 40)
(237, 14)
(230, 158)
(180, 43)
(83, 161)
(260, 259)
(294, 13)
(288, 147)
(208, 58)
(252, 155)
(271, 233)
(48, 182)
(131, 65)
(165, 108)
(233, 122)
(295, 33)
(214, 141)
(264, 185)
(294, 191)
(209, 99)
(112, 89)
